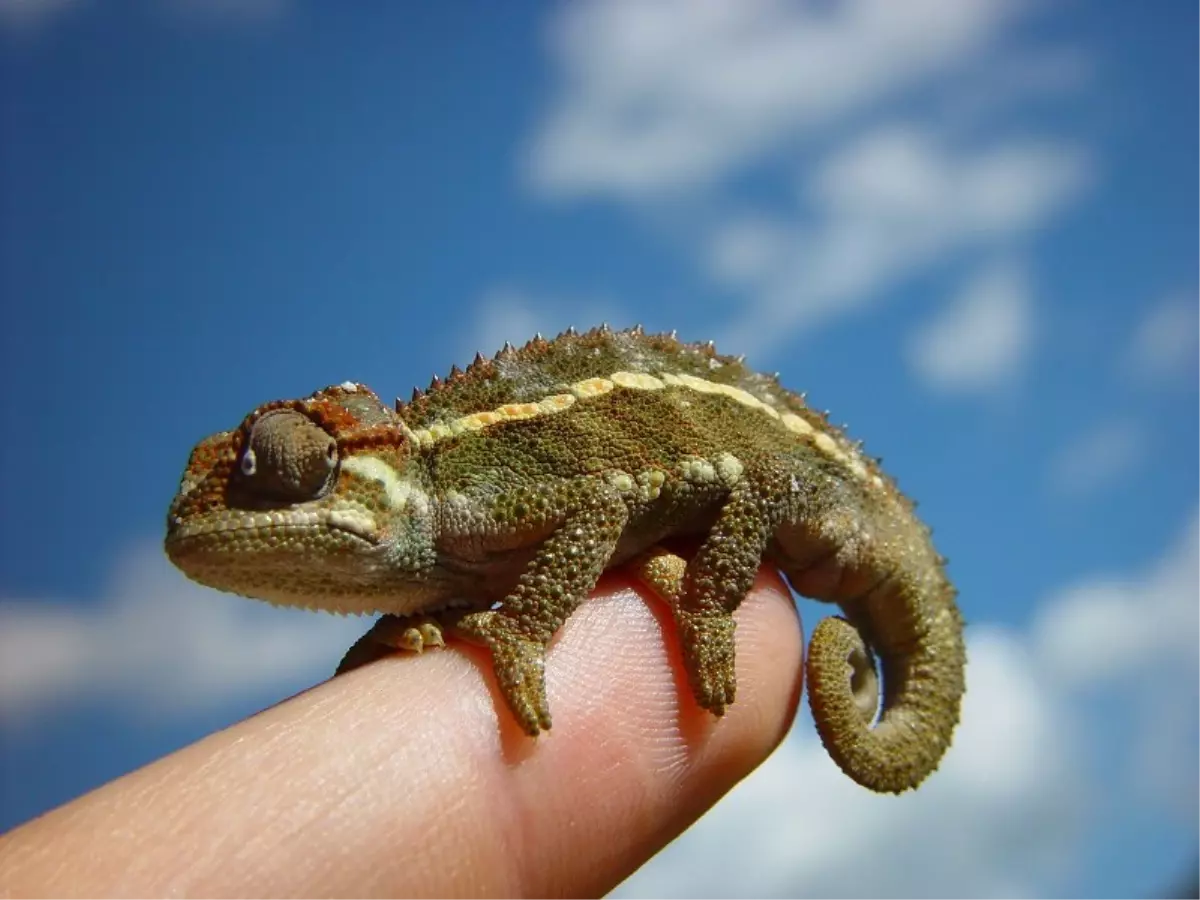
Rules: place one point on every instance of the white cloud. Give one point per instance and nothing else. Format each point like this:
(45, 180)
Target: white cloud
(670, 95)
(159, 644)
(1109, 628)
(1019, 78)
(514, 315)
(1100, 457)
(1133, 639)
(899, 199)
(1017, 795)
(672, 100)
(906, 174)
(1165, 342)
(981, 340)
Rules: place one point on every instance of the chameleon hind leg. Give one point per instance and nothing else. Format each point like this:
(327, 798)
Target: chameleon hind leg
(704, 591)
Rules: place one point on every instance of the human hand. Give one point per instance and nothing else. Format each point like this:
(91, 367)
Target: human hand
(409, 777)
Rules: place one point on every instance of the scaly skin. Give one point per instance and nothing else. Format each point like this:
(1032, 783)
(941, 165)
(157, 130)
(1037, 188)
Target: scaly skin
(489, 506)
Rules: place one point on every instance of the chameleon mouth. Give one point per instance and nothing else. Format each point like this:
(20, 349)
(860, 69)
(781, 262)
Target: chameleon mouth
(294, 529)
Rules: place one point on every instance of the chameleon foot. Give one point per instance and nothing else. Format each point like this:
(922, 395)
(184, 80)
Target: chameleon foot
(422, 632)
(707, 638)
(708, 657)
(411, 634)
(519, 663)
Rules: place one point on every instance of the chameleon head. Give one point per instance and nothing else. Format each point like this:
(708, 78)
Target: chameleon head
(304, 505)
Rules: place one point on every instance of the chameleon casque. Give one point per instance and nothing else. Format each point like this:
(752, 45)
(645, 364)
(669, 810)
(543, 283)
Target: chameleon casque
(488, 506)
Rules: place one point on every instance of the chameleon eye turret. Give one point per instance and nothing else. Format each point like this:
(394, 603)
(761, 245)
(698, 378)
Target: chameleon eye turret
(288, 456)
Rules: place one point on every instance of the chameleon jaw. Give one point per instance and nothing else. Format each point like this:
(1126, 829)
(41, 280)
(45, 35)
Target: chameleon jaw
(270, 555)
(235, 526)
(211, 549)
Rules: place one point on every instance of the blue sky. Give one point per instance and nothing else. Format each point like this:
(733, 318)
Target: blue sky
(966, 228)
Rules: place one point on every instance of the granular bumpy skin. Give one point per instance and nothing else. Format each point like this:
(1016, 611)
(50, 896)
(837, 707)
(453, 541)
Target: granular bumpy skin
(487, 507)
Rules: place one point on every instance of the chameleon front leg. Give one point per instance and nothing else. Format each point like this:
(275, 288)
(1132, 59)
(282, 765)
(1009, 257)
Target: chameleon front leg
(564, 570)
(517, 630)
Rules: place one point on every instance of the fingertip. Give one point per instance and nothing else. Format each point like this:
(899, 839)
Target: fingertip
(630, 762)
(408, 776)
(631, 748)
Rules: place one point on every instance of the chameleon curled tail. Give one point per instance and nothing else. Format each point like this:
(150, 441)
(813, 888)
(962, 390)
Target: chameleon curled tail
(917, 630)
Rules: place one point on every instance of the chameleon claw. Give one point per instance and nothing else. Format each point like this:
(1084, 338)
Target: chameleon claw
(419, 636)
(408, 634)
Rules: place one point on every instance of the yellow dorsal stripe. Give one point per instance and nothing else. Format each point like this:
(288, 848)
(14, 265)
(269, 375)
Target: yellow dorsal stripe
(589, 388)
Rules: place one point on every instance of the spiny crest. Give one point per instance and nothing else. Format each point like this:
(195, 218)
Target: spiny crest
(482, 368)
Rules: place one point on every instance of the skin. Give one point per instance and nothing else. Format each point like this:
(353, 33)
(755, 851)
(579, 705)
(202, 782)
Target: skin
(339, 790)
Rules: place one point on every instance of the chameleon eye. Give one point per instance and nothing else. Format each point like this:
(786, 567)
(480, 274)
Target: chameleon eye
(249, 462)
(288, 456)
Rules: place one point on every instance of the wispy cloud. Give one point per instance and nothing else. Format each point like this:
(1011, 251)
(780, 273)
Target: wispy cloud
(1164, 346)
(1099, 457)
(1015, 784)
(158, 644)
(1133, 637)
(669, 96)
(981, 340)
(656, 102)
(897, 200)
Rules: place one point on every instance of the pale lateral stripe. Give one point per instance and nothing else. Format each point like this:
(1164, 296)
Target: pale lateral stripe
(637, 381)
(397, 491)
(826, 444)
(589, 388)
(697, 469)
(354, 520)
(557, 403)
(797, 424)
(510, 412)
(727, 390)
(729, 468)
(622, 481)
(651, 482)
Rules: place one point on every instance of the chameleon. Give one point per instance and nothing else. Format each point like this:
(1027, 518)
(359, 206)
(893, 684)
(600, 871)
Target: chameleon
(487, 506)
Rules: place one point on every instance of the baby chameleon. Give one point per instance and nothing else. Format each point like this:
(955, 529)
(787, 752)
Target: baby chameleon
(489, 505)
